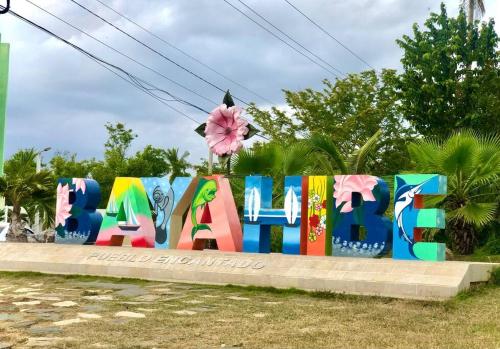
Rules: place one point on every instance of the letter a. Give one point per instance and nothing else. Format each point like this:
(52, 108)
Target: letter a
(127, 214)
(212, 216)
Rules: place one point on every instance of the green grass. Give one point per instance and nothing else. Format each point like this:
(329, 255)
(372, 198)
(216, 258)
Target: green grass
(269, 318)
(478, 257)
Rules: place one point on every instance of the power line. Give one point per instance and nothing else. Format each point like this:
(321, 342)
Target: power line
(280, 39)
(184, 52)
(153, 50)
(134, 79)
(330, 35)
(288, 36)
(122, 54)
(161, 100)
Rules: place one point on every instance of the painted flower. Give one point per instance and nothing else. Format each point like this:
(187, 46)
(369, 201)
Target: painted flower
(315, 198)
(319, 230)
(62, 205)
(345, 185)
(79, 184)
(314, 220)
(225, 130)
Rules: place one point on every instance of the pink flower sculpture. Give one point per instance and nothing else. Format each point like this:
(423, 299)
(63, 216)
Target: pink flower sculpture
(345, 185)
(79, 184)
(62, 205)
(225, 130)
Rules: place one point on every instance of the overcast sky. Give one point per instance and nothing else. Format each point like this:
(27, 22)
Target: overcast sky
(60, 98)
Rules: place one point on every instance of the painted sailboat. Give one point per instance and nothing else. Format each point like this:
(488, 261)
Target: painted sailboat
(112, 209)
(132, 222)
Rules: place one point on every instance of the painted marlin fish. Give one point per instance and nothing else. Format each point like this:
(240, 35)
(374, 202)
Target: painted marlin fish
(205, 192)
(404, 200)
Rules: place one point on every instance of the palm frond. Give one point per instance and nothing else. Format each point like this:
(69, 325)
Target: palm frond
(324, 144)
(296, 159)
(425, 153)
(358, 158)
(478, 214)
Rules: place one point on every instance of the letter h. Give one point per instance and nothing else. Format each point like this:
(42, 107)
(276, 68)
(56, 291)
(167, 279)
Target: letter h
(259, 215)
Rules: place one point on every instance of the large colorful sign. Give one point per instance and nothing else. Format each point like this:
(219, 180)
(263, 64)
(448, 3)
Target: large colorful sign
(320, 215)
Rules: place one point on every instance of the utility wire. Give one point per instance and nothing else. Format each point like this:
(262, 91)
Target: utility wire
(161, 100)
(134, 79)
(280, 39)
(184, 52)
(153, 50)
(122, 54)
(330, 35)
(288, 36)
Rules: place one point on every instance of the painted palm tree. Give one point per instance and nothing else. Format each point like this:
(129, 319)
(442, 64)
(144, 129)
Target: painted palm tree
(24, 188)
(472, 164)
(178, 163)
(473, 7)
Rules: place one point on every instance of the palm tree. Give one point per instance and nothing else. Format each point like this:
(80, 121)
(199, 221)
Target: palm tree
(178, 164)
(274, 160)
(472, 7)
(332, 161)
(23, 187)
(472, 164)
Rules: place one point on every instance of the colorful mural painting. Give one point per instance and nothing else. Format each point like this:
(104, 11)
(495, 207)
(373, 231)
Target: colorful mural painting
(127, 214)
(321, 215)
(77, 221)
(317, 231)
(212, 217)
(259, 215)
(410, 217)
(164, 197)
(360, 201)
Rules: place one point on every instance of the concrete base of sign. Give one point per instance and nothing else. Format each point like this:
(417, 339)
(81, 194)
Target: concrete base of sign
(375, 277)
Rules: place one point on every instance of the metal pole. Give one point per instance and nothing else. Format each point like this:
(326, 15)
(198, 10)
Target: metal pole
(37, 224)
(210, 162)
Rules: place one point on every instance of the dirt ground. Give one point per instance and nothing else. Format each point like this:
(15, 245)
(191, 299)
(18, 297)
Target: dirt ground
(90, 312)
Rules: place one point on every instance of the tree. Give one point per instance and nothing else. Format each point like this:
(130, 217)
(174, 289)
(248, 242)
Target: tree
(150, 162)
(23, 187)
(473, 7)
(116, 147)
(178, 163)
(349, 111)
(65, 165)
(451, 73)
(472, 164)
(201, 169)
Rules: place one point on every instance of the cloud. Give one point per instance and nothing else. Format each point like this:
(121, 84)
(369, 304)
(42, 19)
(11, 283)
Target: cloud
(60, 98)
